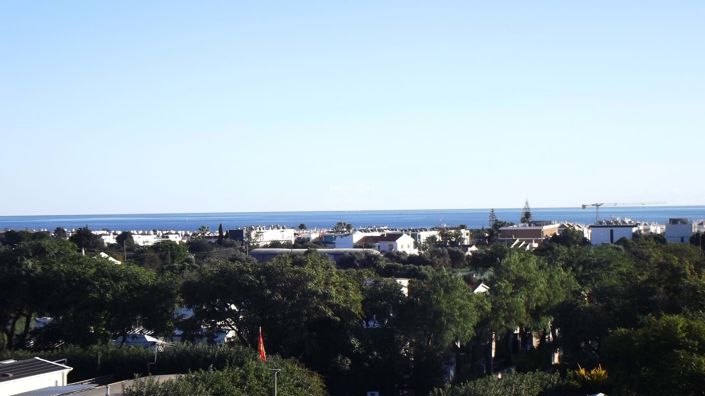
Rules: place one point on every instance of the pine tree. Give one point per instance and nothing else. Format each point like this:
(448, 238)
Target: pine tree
(493, 218)
(525, 213)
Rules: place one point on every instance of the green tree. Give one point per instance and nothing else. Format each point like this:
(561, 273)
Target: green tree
(13, 238)
(441, 312)
(492, 218)
(569, 238)
(60, 233)
(125, 240)
(697, 239)
(342, 226)
(451, 238)
(203, 231)
(100, 302)
(664, 357)
(174, 257)
(31, 282)
(221, 234)
(306, 307)
(524, 291)
(524, 384)
(84, 238)
(525, 213)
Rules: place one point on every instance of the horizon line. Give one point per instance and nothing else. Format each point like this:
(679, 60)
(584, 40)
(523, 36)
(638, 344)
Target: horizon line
(344, 210)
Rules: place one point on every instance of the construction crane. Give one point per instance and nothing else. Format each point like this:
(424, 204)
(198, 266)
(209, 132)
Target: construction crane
(597, 206)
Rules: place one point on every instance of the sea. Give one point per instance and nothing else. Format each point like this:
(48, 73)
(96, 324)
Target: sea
(424, 218)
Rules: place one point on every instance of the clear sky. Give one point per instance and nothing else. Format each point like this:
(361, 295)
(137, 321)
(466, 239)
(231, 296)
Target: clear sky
(201, 106)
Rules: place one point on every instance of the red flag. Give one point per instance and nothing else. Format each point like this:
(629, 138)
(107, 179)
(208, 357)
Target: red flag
(260, 347)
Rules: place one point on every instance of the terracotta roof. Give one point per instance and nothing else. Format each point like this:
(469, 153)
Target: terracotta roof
(390, 237)
(371, 240)
(368, 240)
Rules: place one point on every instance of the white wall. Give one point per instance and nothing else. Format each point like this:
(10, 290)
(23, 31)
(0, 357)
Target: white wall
(357, 235)
(145, 240)
(601, 235)
(26, 384)
(344, 241)
(108, 239)
(421, 236)
(404, 244)
(265, 236)
(679, 233)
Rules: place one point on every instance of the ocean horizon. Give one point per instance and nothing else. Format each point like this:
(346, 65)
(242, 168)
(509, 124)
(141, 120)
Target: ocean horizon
(407, 218)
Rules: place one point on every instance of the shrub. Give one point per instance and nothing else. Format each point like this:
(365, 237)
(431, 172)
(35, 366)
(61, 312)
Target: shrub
(251, 378)
(515, 384)
(591, 381)
(124, 363)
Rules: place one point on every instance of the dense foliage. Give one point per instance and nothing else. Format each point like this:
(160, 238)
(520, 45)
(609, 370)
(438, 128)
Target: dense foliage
(238, 362)
(627, 308)
(518, 384)
(250, 378)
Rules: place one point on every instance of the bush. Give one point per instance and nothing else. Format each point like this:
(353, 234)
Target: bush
(591, 381)
(124, 363)
(251, 378)
(516, 384)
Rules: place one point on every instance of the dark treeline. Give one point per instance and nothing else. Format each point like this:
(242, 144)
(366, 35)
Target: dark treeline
(624, 318)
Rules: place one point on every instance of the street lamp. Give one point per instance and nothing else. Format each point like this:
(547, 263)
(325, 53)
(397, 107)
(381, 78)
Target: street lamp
(276, 371)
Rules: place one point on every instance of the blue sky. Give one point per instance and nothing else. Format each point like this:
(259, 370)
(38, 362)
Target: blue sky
(129, 107)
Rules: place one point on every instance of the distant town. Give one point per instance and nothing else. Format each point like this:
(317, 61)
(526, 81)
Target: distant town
(525, 235)
(378, 310)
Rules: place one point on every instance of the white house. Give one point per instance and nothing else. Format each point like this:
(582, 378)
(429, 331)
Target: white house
(390, 242)
(262, 236)
(422, 235)
(108, 239)
(19, 376)
(611, 231)
(679, 230)
(145, 239)
(529, 233)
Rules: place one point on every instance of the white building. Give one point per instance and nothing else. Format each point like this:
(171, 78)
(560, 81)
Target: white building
(528, 233)
(651, 228)
(679, 230)
(611, 232)
(390, 242)
(145, 239)
(348, 240)
(263, 236)
(19, 376)
(422, 235)
(309, 235)
(109, 239)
